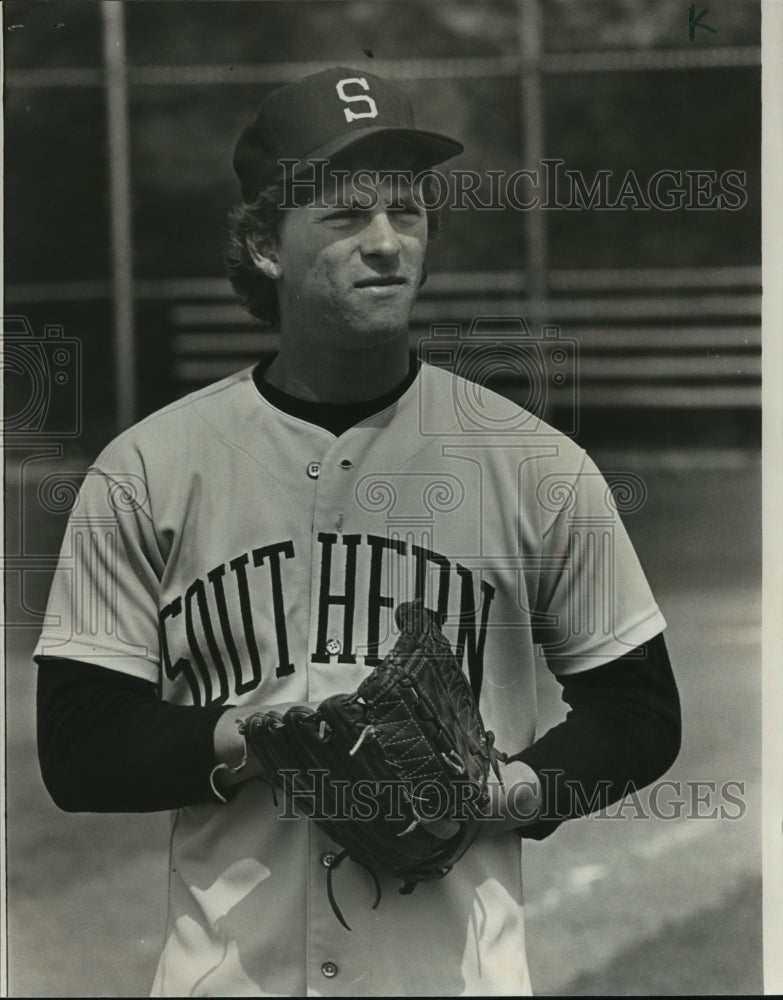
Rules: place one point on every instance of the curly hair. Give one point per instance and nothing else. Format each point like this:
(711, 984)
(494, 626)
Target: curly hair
(256, 224)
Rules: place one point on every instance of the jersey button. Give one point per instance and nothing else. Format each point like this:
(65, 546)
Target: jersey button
(329, 969)
(333, 646)
(314, 470)
(327, 860)
(346, 463)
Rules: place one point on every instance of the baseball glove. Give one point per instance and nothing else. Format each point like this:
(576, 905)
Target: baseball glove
(371, 767)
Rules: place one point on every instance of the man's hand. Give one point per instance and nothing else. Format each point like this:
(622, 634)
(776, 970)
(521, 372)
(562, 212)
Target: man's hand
(516, 803)
(511, 805)
(233, 762)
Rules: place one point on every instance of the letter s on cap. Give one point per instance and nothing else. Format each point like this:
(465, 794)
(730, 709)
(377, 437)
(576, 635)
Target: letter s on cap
(372, 109)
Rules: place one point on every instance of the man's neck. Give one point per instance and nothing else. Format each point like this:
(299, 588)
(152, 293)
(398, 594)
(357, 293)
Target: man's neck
(328, 376)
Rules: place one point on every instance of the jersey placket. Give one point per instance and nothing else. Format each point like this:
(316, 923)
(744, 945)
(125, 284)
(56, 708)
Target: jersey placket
(336, 958)
(330, 658)
(339, 961)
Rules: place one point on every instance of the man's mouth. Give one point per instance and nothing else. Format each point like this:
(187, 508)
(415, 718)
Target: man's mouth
(380, 281)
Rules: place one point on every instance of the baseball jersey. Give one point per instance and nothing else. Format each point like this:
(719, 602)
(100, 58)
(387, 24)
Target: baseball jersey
(232, 553)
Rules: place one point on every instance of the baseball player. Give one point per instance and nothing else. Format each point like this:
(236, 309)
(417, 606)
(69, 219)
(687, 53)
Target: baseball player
(243, 550)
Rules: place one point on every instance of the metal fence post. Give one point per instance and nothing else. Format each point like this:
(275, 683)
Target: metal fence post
(113, 15)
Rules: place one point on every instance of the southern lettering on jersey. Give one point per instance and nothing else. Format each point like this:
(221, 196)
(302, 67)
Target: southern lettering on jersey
(215, 625)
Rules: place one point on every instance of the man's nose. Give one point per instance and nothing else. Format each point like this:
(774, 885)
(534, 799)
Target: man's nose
(380, 238)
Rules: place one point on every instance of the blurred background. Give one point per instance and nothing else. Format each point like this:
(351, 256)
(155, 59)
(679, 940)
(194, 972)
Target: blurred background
(120, 123)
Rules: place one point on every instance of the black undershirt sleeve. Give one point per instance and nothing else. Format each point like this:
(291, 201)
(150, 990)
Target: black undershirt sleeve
(107, 743)
(622, 732)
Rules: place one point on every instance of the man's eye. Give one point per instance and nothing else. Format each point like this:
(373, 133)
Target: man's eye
(411, 210)
(342, 213)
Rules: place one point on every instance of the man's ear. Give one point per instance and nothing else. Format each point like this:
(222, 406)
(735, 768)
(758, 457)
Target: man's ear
(265, 259)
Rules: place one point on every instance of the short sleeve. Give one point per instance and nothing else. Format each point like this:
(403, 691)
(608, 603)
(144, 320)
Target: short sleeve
(594, 602)
(103, 601)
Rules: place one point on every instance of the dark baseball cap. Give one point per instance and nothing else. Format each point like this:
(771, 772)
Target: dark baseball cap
(327, 113)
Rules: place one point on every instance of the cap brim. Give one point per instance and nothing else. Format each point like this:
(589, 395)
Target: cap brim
(427, 148)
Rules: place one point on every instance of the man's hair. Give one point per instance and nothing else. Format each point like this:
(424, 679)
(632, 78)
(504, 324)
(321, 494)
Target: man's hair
(257, 224)
(254, 224)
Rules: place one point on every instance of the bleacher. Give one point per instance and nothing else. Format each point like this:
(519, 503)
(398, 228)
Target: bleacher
(630, 340)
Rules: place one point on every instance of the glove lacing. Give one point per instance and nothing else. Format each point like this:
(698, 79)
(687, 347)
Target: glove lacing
(339, 858)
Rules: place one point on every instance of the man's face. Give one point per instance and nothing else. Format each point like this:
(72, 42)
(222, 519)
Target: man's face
(351, 264)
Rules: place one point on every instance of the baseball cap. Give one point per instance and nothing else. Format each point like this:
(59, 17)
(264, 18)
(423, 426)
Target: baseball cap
(324, 114)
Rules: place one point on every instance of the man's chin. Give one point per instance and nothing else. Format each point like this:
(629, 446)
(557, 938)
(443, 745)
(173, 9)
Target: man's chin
(380, 326)
(380, 335)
